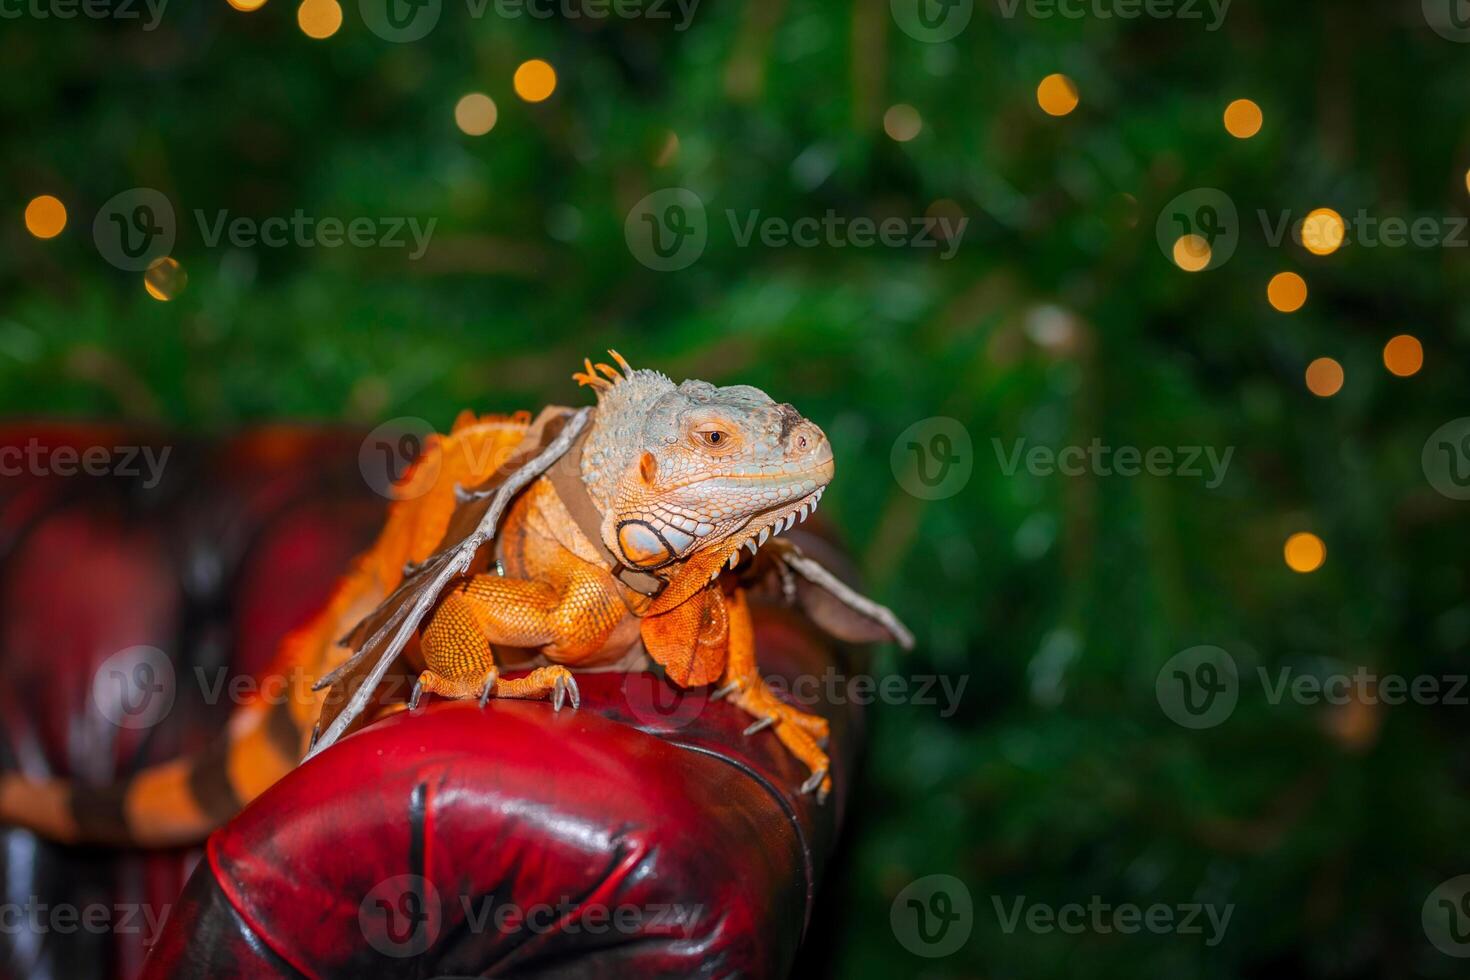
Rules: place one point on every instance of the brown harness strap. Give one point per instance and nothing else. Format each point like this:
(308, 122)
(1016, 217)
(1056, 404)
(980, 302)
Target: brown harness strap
(566, 479)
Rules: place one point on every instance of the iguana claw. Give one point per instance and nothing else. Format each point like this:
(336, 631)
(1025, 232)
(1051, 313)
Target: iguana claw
(725, 691)
(760, 725)
(565, 685)
(814, 784)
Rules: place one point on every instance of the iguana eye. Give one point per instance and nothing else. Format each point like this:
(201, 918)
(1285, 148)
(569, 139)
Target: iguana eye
(714, 438)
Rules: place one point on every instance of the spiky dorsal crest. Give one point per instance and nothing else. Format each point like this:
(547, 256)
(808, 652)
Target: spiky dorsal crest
(615, 436)
(589, 376)
(621, 387)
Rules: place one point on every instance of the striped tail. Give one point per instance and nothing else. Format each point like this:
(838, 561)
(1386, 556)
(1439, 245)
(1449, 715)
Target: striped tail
(177, 802)
(183, 800)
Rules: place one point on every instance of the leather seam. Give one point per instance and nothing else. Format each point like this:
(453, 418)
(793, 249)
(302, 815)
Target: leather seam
(808, 864)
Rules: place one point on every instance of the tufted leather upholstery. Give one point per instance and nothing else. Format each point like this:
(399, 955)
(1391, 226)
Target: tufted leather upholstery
(641, 835)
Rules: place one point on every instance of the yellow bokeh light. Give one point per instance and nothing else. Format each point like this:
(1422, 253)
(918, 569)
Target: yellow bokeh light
(475, 114)
(165, 279)
(1191, 253)
(1243, 119)
(45, 216)
(1287, 292)
(1305, 552)
(1403, 355)
(535, 80)
(1323, 231)
(1324, 377)
(247, 6)
(1057, 95)
(319, 19)
(902, 122)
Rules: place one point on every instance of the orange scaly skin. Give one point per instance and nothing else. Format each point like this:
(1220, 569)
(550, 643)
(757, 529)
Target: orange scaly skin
(614, 555)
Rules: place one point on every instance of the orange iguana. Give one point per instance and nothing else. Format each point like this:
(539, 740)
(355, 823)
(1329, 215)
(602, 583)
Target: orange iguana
(580, 539)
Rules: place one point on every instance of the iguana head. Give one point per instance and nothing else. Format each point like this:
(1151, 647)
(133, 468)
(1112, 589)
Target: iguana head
(680, 470)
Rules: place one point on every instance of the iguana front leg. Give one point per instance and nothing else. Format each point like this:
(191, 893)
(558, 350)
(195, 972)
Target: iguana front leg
(566, 620)
(803, 734)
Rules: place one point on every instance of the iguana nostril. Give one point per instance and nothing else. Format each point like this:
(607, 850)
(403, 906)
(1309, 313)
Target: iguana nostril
(806, 437)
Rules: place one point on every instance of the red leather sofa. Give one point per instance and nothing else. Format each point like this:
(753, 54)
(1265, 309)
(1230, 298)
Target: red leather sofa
(642, 835)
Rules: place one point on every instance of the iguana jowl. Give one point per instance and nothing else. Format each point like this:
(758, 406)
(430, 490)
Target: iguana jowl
(579, 540)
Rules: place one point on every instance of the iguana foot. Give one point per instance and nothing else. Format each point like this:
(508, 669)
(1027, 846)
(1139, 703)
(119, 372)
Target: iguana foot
(460, 687)
(555, 684)
(803, 734)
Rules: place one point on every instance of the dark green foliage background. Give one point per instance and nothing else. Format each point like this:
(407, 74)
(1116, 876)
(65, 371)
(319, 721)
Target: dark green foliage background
(1059, 598)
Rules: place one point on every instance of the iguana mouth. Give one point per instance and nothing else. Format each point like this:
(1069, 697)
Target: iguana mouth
(788, 515)
(818, 472)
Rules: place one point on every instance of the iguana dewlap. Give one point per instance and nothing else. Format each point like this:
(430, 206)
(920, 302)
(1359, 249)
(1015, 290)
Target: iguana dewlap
(581, 540)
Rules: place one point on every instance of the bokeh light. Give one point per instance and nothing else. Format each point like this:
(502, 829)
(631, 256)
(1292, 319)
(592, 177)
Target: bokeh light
(535, 80)
(1305, 552)
(1192, 253)
(319, 19)
(1057, 95)
(475, 114)
(1287, 292)
(247, 6)
(1323, 231)
(165, 279)
(1243, 119)
(1403, 355)
(1324, 377)
(45, 216)
(902, 122)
